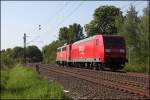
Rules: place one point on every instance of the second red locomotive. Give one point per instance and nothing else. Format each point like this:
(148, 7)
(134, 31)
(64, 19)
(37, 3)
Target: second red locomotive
(98, 52)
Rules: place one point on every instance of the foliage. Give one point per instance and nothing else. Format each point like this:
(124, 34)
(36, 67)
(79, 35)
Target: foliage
(6, 57)
(71, 34)
(136, 38)
(33, 54)
(18, 53)
(24, 83)
(4, 78)
(63, 35)
(131, 31)
(19, 78)
(104, 21)
(49, 52)
(75, 32)
(9, 57)
(135, 68)
(144, 38)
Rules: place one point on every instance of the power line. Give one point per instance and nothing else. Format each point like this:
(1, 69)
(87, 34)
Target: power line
(32, 40)
(51, 18)
(77, 7)
(73, 11)
(57, 13)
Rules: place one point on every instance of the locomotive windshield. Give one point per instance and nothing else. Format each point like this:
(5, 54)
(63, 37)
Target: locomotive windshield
(108, 40)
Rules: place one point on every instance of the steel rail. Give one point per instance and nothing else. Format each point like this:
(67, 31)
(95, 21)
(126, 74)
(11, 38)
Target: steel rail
(107, 83)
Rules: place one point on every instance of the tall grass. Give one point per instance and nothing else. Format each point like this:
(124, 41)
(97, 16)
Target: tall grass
(24, 83)
(4, 78)
(136, 68)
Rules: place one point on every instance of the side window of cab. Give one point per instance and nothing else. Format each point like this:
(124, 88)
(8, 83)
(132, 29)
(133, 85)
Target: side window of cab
(97, 42)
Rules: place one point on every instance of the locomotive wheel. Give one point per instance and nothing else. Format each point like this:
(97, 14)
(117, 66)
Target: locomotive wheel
(97, 67)
(78, 65)
(88, 65)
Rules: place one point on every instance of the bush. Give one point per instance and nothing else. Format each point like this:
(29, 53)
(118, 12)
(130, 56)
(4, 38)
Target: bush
(24, 83)
(135, 68)
(4, 78)
(21, 78)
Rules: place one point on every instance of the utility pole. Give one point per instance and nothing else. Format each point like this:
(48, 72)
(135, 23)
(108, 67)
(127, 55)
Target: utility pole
(24, 41)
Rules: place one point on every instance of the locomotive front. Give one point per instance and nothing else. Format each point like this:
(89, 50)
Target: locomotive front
(115, 51)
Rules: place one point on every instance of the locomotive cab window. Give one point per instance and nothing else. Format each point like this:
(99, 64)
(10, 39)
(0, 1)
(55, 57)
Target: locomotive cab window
(58, 50)
(64, 49)
(108, 41)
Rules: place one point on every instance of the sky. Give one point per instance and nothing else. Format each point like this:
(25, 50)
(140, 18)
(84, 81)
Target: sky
(19, 17)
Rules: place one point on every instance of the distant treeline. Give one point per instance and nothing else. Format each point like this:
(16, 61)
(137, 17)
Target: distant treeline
(9, 57)
(106, 20)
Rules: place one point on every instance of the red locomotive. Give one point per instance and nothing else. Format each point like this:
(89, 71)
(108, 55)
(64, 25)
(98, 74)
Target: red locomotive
(98, 52)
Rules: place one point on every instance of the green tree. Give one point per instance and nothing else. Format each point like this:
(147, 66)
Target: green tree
(7, 57)
(44, 53)
(49, 52)
(75, 32)
(144, 37)
(18, 53)
(63, 34)
(131, 33)
(71, 34)
(104, 21)
(33, 54)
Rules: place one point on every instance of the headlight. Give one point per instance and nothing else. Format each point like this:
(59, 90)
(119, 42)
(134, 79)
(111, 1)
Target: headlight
(107, 50)
(122, 50)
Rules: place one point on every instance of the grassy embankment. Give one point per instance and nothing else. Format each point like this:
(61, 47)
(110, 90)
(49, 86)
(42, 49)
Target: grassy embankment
(139, 68)
(24, 83)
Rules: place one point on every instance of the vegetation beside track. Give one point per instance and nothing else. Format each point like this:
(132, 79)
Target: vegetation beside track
(136, 68)
(24, 83)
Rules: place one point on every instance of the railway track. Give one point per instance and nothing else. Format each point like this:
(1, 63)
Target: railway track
(122, 82)
(121, 78)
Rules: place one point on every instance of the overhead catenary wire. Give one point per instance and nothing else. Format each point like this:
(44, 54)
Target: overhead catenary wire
(70, 14)
(124, 6)
(50, 18)
(57, 13)
(73, 11)
(60, 10)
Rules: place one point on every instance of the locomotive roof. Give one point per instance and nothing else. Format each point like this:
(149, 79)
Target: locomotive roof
(89, 38)
(84, 40)
(62, 46)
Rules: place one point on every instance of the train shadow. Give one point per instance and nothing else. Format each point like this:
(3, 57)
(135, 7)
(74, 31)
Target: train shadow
(118, 71)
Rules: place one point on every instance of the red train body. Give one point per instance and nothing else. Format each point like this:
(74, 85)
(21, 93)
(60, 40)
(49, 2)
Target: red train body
(63, 54)
(88, 50)
(98, 51)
